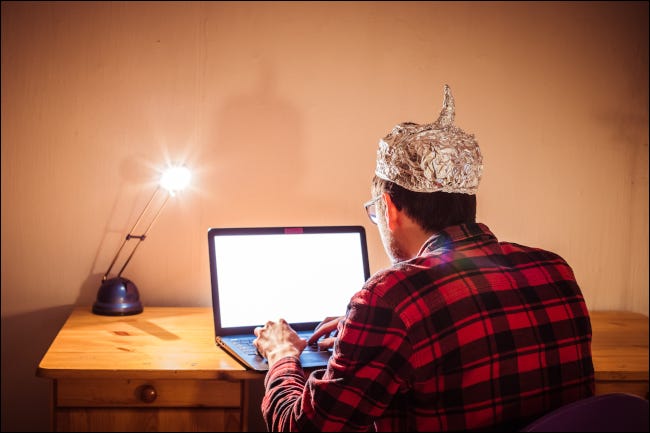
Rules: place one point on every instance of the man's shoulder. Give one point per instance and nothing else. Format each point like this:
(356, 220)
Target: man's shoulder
(537, 253)
(405, 275)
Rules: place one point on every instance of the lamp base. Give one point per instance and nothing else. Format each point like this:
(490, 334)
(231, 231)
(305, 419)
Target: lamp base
(117, 297)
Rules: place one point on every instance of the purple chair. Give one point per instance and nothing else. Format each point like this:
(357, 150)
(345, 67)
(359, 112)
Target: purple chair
(615, 412)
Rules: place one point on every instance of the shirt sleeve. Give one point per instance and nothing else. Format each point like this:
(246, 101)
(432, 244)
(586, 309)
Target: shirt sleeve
(369, 364)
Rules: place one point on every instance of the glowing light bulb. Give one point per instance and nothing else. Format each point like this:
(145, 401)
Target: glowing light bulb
(175, 179)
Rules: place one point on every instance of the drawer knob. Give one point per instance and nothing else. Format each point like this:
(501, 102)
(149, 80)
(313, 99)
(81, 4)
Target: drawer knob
(148, 394)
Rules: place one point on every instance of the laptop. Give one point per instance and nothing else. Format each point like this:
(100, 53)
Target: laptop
(300, 274)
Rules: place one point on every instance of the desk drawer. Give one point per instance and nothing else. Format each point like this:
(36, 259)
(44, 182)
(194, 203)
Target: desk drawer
(147, 393)
(146, 419)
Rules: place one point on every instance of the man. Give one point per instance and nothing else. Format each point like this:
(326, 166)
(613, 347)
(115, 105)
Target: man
(462, 332)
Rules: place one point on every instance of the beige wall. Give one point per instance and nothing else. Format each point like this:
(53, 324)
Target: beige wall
(278, 108)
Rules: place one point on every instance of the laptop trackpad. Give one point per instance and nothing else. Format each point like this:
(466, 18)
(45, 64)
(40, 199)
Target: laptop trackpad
(314, 358)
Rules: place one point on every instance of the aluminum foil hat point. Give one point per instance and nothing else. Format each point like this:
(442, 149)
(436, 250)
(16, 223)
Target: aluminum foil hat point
(448, 111)
(431, 157)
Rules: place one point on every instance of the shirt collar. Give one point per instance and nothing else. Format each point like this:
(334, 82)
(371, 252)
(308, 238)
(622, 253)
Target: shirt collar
(455, 236)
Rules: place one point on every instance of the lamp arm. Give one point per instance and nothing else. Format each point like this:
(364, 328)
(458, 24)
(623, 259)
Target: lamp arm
(140, 237)
(143, 236)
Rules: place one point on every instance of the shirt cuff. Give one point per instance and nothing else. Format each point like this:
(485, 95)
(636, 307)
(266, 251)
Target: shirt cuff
(284, 367)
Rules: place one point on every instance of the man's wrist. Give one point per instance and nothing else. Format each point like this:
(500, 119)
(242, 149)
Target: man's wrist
(281, 352)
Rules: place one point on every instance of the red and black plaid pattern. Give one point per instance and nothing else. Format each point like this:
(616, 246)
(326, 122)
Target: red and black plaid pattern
(472, 334)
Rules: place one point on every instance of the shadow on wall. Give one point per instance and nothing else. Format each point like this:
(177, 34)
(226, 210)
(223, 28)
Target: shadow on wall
(258, 144)
(88, 290)
(26, 398)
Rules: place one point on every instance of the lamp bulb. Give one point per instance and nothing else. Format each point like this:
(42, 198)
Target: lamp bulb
(175, 179)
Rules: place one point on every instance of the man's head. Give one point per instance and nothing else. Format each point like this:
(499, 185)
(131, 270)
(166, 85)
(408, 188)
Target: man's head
(431, 173)
(433, 211)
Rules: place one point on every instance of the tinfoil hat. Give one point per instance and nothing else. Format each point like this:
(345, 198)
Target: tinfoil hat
(431, 157)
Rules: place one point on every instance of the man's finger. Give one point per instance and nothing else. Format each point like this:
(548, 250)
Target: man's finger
(326, 343)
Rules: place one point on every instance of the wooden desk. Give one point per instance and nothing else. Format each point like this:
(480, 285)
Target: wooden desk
(155, 371)
(619, 349)
(161, 370)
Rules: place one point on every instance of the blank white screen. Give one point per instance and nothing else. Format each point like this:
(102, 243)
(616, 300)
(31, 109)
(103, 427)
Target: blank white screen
(299, 277)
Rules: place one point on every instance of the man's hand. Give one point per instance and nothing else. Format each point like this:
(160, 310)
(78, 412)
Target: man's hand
(326, 329)
(275, 340)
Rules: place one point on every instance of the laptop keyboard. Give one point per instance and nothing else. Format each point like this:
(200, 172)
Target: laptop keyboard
(245, 345)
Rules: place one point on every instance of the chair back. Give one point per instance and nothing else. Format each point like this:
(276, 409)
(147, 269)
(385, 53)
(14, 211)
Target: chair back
(613, 412)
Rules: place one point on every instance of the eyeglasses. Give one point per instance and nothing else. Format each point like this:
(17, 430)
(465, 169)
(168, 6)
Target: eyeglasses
(371, 209)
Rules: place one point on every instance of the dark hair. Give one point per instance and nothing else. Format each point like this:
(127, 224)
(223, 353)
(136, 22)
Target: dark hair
(432, 210)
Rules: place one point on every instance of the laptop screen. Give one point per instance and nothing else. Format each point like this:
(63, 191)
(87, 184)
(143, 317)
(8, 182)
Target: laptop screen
(301, 274)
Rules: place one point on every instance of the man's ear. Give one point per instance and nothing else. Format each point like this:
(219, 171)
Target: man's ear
(392, 213)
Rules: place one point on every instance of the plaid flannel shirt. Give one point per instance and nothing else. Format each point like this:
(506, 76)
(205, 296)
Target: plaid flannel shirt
(470, 334)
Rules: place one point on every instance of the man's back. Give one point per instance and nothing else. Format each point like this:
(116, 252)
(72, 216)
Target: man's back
(487, 334)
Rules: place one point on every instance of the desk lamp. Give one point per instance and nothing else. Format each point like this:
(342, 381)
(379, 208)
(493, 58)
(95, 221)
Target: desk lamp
(119, 296)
